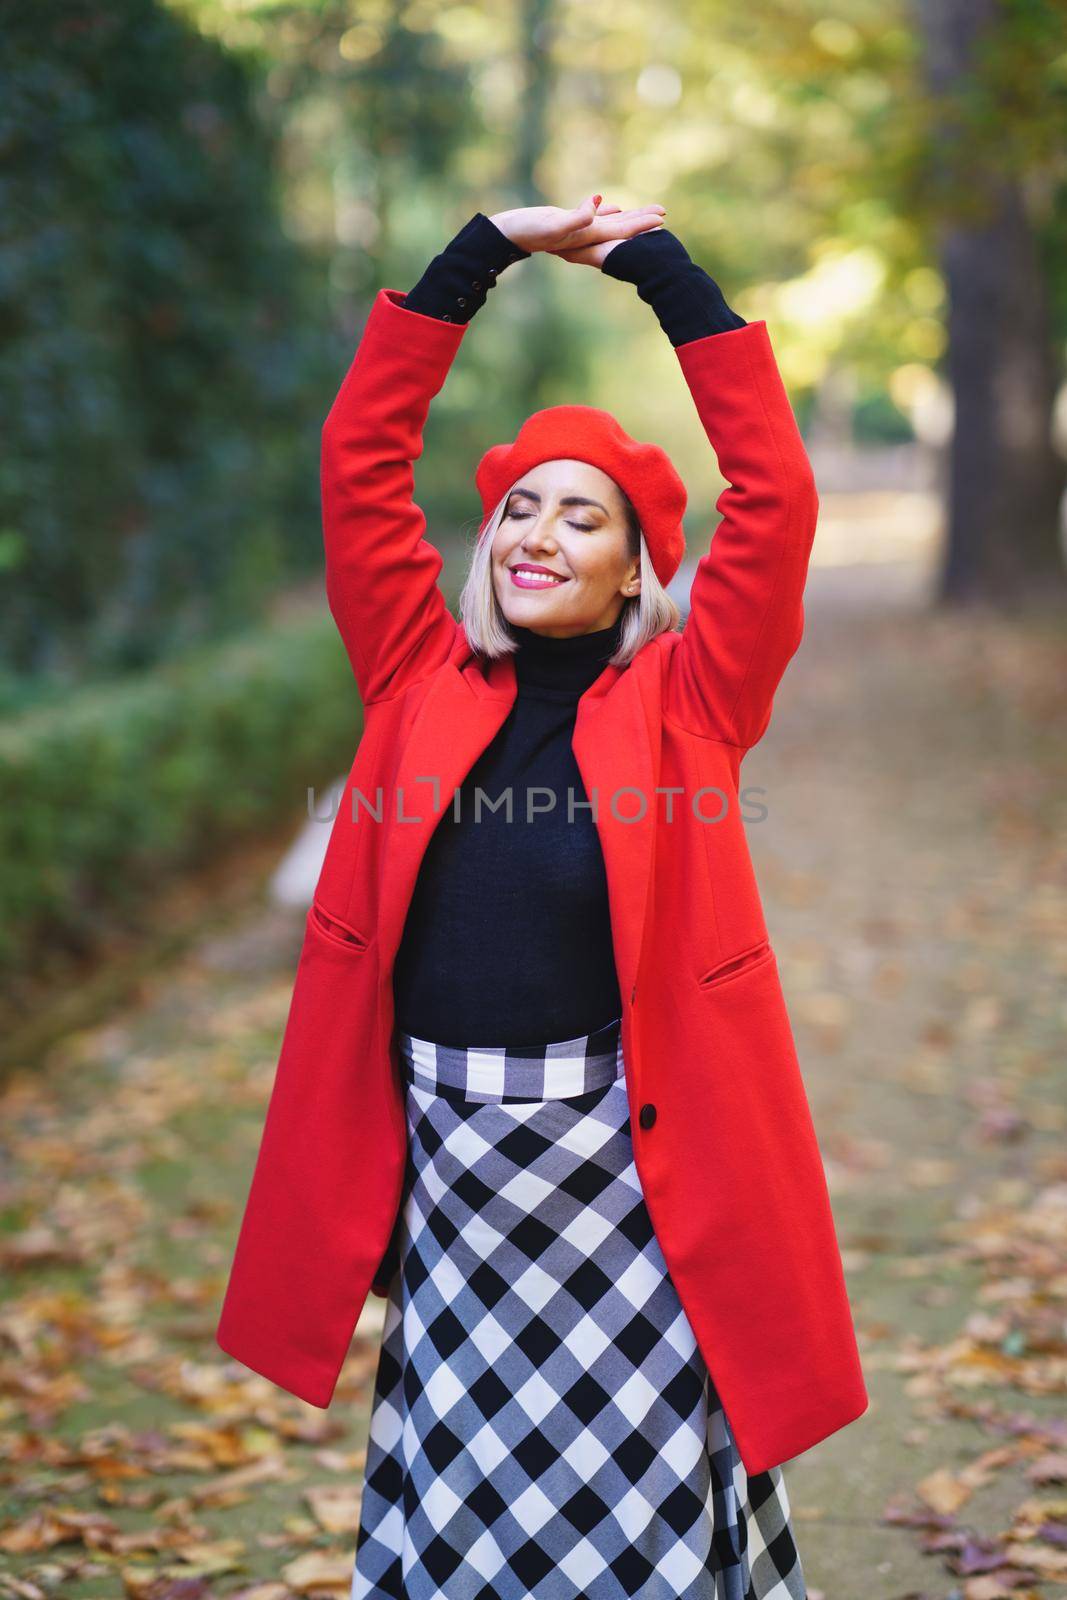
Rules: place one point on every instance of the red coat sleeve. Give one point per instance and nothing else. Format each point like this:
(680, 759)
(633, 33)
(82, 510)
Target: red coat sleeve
(381, 572)
(747, 616)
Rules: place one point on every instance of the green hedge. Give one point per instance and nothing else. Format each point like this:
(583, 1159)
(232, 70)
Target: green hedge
(126, 783)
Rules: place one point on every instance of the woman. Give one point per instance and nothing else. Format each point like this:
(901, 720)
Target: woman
(468, 1071)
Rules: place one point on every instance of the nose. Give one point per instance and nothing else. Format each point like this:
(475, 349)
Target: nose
(539, 533)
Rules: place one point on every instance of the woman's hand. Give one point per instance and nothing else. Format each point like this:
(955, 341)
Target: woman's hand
(579, 234)
(594, 255)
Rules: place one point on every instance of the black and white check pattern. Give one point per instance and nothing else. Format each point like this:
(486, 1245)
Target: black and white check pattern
(544, 1426)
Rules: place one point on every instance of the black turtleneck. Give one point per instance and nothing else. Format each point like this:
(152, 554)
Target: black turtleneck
(508, 936)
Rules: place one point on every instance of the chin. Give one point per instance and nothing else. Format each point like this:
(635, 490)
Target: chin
(526, 611)
(536, 616)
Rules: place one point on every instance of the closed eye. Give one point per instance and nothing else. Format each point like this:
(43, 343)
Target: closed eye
(583, 527)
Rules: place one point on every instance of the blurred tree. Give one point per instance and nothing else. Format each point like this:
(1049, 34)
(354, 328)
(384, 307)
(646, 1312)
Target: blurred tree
(886, 180)
(407, 93)
(391, 111)
(157, 358)
(992, 70)
(406, 88)
(539, 358)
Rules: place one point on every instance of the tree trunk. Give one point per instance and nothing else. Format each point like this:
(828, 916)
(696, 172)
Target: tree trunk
(537, 24)
(1005, 481)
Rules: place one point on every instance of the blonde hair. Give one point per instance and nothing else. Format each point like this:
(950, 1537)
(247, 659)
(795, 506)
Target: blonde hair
(649, 613)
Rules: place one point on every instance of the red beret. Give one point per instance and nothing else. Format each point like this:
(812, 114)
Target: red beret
(585, 433)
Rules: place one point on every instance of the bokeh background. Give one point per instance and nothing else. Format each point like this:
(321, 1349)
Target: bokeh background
(198, 201)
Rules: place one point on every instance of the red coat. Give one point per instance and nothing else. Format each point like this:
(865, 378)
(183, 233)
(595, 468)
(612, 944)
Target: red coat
(730, 1167)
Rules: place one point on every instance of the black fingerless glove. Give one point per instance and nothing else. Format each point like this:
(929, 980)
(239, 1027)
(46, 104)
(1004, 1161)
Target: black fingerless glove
(456, 282)
(688, 303)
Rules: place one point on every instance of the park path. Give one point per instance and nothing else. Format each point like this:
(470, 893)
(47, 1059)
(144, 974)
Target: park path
(913, 869)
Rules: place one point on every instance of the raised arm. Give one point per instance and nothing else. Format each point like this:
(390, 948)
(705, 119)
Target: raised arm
(746, 612)
(381, 571)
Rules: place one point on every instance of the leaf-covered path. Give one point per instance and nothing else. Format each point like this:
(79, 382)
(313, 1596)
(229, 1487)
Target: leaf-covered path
(913, 862)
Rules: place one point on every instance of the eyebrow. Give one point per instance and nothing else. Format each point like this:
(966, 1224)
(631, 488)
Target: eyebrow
(568, 500)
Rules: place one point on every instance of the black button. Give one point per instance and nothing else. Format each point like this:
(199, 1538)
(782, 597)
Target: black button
(446, 317)
(461, 302)
(475, 285)
(647, 1116)
(492, 272)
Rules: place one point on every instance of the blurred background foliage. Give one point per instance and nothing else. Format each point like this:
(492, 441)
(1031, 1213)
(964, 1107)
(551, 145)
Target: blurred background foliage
(200, 198)
(163, 344)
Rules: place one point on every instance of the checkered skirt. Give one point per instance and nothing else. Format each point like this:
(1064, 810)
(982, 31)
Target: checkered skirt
(543, 1423)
